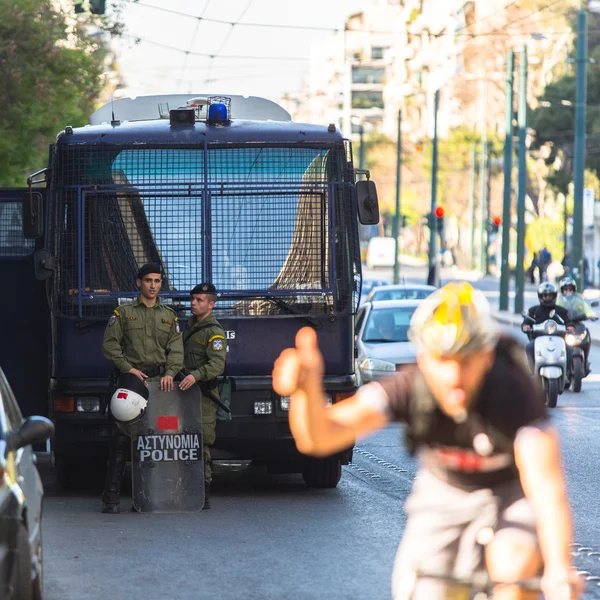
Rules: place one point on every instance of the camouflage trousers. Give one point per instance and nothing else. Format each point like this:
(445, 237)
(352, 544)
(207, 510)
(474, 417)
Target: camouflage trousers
(209, 424)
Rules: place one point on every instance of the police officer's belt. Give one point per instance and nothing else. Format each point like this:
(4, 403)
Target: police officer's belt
(154, 370)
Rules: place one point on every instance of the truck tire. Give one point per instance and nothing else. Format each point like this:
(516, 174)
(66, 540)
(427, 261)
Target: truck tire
(322, 472)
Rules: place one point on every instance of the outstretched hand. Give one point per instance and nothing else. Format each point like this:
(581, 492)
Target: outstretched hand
(300, 368)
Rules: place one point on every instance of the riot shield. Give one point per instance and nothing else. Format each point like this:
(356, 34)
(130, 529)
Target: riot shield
(167, 460)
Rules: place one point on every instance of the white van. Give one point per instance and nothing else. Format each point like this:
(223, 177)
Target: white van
(380, 252)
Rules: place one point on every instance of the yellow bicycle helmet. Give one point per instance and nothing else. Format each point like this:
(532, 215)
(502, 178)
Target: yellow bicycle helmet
(454, 320)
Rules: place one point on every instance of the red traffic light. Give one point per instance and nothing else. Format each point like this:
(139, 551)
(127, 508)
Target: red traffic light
(439, 212)
(497, 221)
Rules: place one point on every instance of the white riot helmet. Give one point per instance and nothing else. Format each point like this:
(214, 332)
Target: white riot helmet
(130, 399)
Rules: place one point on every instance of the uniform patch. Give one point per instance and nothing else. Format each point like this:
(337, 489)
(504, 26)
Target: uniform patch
(116, 312)
(167, 321)
(199, 341)
(132, 318)
(112, 320)
(218, 345)
(176, 326)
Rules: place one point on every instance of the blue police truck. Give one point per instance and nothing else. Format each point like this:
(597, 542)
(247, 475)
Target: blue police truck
(220, 189)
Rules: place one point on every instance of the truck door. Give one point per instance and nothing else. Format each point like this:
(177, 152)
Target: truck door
(23, 310)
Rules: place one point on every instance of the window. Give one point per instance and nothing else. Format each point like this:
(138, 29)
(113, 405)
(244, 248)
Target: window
(12, 242)
(11, 410)
(367, 99)
(388, 325)
(368, 75)
(378, 52)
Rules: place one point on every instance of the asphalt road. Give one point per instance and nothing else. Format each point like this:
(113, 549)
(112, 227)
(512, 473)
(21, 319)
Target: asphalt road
(271, 537)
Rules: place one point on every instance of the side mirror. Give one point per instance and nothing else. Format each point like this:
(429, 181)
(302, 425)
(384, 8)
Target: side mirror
(32, 213)
(43, 264)
(33, 431)
(368, 205)
(595, 303)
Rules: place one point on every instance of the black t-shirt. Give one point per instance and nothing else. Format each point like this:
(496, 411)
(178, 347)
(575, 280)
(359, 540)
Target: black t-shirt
(479, 451)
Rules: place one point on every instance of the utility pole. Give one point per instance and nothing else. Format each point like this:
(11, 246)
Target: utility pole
(508, 159)
(482, 181)
(522, 183)
(472, 205)
(580, 106)
(397, 216)
(361, 148)
(433, 276)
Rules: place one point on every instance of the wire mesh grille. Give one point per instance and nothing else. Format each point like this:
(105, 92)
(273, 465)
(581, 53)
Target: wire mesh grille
(254, 220)
(12, 242)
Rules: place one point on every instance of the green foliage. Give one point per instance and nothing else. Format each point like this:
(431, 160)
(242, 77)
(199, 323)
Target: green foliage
(49, 78)
(548, 233)
(554, 119)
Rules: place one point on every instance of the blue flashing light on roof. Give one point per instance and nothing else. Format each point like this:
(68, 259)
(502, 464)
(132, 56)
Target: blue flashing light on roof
(217, 113)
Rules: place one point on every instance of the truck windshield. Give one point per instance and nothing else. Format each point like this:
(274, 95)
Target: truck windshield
(253, 220)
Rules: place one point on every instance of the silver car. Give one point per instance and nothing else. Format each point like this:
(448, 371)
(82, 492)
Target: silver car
(21, 495)
(400, 291)
(382, 345)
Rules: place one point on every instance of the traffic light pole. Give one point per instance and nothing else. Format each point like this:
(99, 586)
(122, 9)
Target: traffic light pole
(522, 183)
(488, 196)
(397, 215)
(433, 275)
(482, 183)
(472, 205)
(579, 166)
(508, 160)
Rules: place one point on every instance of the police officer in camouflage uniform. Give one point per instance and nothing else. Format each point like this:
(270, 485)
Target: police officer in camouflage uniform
(205, 352)
(142, 338)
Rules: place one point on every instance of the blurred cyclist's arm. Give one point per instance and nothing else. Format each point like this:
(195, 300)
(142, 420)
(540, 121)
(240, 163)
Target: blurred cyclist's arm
(319, 429)
(537, 454)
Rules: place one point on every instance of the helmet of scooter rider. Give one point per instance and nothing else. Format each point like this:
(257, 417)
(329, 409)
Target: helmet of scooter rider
(453, 321)
(547, 294)
(566, 283)
(129, 402)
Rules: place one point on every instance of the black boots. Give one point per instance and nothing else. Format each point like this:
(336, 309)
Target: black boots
(206, 496)
(117, 460)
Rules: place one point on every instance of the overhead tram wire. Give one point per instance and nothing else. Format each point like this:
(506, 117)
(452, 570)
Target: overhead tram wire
(227, 36)
(209, 55)
(187, 54)
(498, 31)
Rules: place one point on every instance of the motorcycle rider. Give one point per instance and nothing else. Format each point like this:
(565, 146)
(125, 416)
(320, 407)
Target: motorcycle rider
(578, 309)
(546, 309)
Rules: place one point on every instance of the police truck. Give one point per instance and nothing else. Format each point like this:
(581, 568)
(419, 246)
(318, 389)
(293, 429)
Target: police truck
(225, 189)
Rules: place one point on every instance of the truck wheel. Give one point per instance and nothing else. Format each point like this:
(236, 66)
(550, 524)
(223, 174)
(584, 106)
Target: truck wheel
(577, 373)
(322, 472)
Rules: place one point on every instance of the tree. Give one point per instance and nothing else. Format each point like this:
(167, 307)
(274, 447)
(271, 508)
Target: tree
(50, 75)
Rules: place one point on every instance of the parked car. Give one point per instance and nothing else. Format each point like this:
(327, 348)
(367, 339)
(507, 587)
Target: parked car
(21, 494)
(368, 285)
(402, 291)
(380, 252)
(382, 345)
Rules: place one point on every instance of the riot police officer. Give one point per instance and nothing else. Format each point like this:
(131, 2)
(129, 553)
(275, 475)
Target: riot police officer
(205, 349)
(141, 338)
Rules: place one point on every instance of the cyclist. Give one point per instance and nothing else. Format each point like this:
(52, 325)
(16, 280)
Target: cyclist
(489, 454)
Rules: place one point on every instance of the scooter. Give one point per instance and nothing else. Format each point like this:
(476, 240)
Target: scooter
(550, 356)
(578, 340)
